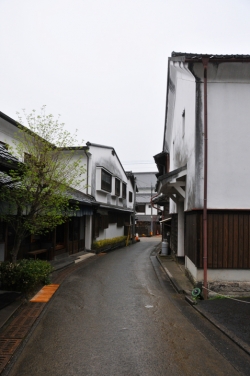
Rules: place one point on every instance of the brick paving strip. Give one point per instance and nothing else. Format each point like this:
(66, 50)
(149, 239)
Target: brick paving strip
(16, 329)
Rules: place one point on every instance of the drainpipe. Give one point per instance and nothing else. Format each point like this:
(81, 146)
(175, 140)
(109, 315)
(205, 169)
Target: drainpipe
(205, 61)
(133, 216)
(87, 171)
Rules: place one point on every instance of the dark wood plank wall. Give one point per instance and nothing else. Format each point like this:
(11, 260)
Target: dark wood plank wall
(228, 239)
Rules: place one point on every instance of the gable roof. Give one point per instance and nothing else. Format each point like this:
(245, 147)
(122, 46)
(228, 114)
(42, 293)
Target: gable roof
(107, 147)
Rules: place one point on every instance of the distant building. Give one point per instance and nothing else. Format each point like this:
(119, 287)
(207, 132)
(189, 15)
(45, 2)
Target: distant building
(147, 216)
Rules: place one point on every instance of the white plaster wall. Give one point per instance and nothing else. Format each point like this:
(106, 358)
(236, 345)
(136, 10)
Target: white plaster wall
(182, 144)
(9, 133)
(111, 232)
(216, 275)
(103, 157)
(228, 145)
(130, 205)
(79, 155)
(148, 210)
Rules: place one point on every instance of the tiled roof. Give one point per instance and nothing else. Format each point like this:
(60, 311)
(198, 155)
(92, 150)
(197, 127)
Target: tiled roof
(6, 156)
(199, 56)
(82, 197)
(5, 179)
(145, 179)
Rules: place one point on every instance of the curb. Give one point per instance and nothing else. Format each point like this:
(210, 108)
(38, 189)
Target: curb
(244, 346)
(172, 279)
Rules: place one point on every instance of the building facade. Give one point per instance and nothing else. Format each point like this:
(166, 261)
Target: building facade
(203, 165)
(105, 201)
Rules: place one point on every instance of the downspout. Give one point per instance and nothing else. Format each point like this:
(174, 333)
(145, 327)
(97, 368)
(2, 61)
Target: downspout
(133, 217)
(87, 171)
(205, 61)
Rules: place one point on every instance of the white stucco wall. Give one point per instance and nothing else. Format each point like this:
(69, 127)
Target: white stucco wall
(228, 134)
(180, 138)
(228, 145)
(106, 158)
(215, 275)
(111, 232)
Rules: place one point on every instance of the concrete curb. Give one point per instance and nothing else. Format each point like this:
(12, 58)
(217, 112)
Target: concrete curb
(244, 346)
(172, 279)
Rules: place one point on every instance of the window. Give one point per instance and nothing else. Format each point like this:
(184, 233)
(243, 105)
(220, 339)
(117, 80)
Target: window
(124, 190)
(130, 196)
(27, 158)
(106, 181)
(140, 208)
(117, 187)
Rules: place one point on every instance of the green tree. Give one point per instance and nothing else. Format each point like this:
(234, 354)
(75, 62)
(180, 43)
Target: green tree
(37, 198)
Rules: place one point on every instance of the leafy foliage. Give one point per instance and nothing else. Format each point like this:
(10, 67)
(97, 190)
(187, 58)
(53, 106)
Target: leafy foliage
(38, 197)
(25, 275)
(109, 242)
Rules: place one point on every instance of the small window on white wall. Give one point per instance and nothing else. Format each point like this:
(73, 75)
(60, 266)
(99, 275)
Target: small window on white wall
(183, 123)
(106, 181)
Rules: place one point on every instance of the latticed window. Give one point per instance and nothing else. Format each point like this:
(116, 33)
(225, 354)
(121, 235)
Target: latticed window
(124, 190)
(130, 196)
(106, 183)
(117, 187)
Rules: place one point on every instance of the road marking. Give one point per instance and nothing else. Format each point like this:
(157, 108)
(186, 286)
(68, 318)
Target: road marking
(149, 306)
(45, 294)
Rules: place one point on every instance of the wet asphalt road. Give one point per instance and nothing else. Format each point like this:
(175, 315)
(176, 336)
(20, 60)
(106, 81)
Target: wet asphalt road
(115, 316)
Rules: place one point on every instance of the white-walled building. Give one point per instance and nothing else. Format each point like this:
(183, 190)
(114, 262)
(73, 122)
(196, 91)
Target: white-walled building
(146, 215)
(113, 190)
(204, 164)
(105, 199)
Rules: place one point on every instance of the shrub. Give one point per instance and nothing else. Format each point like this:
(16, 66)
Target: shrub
(25, 275)
(109, 242)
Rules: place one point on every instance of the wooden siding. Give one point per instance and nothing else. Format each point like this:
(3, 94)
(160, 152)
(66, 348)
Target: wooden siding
(228, 239)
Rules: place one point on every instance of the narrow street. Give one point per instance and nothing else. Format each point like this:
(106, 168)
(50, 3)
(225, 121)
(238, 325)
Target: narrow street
(116, 316)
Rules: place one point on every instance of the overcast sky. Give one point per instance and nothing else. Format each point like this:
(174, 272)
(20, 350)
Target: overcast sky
(102, 64)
